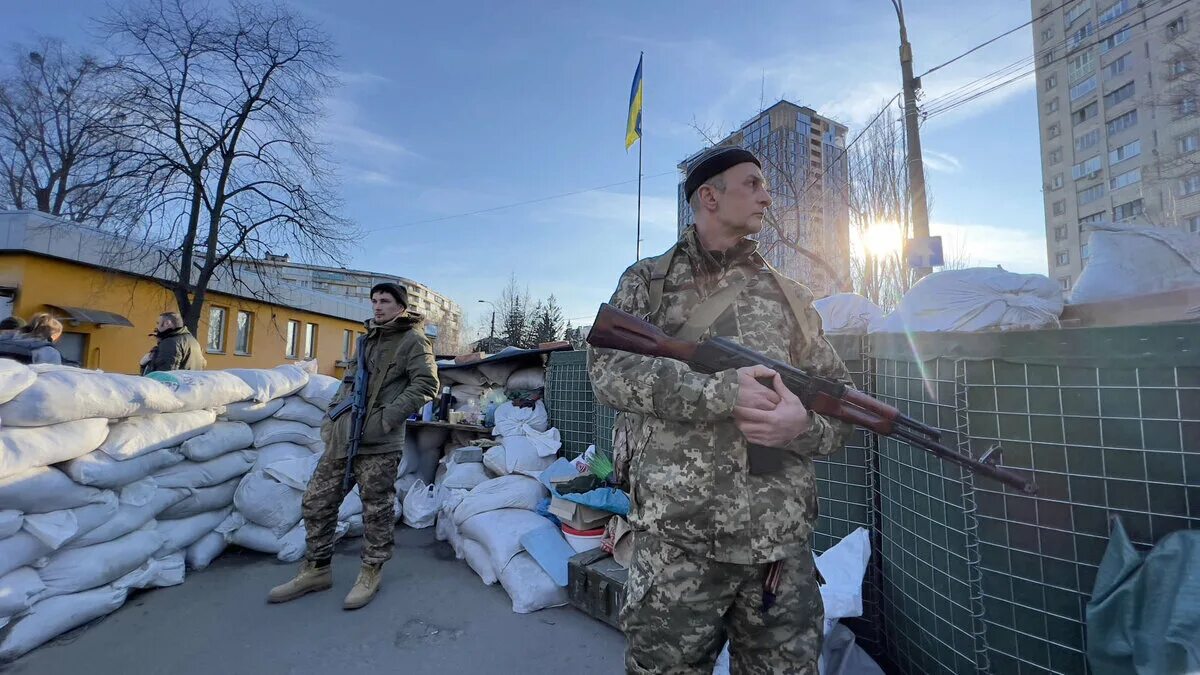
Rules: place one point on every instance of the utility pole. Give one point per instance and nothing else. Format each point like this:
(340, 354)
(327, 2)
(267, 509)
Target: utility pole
(918, 206)
(492, 330)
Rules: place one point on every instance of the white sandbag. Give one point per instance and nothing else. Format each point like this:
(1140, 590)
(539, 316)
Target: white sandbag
(158, 572)
(139, 492)
(500, 532)
(421, 505)
(201, 500)
(320, 390)
(53, 617)
(19, 589)
(22, 449)
(288, 548)
(277, 452)
(295, 473)
(468, 376)
(514, 421)
(20, 550)
(351, 506)
(58, 528)
(65, 394)
(129, 517)
(179, 534)
(847, 313)
(505, 492)
(271, 431)
(201, 554)
(479, 561)
(265, 501)
(206, 474)
(518, 455)
(354, 526)
(975, 300)
(78, 569)
(100, 470)
(451, 498)
(1128, 261)
(251, 411)
(529, 587)
(10, 522)
(199, 389)
(136, 436)
(296, 409)
(272, 383)
(43, 490)
(221, 437)
(497, 372)
(526, 379)
(14, 379)
(464, 476)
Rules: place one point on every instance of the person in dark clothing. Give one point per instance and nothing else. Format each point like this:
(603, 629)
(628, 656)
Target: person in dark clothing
(176, 348)
(10, 326)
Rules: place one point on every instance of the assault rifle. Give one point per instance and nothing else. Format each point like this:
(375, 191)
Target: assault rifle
(615, 329)
(356, 404)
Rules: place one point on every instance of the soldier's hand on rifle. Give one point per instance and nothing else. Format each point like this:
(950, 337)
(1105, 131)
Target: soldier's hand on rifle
(754, 394)
(777, 427)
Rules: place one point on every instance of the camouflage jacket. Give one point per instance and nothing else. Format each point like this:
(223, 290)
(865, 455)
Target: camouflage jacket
(689, 482)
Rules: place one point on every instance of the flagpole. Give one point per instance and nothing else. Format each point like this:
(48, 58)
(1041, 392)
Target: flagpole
(641, 141)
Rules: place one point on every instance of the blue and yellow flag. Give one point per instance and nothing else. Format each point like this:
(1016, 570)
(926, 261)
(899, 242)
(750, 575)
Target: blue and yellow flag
(633, 126)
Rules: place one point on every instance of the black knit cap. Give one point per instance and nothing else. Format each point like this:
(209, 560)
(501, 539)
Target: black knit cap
(395, 290)
(713, 162)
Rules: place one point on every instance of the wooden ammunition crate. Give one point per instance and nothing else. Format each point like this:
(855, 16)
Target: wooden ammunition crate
(596, 585)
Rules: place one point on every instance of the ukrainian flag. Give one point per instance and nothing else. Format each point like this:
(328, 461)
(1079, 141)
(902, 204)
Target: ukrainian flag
(633, 127)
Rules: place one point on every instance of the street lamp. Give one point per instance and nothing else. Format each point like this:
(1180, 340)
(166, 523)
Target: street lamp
(492, 332)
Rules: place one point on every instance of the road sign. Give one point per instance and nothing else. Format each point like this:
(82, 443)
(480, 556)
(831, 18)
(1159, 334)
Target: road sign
(924, 252)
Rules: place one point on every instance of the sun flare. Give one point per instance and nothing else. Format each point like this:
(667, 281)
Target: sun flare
(882, 240)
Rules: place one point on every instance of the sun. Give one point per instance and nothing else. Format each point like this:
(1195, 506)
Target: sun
(882, 240)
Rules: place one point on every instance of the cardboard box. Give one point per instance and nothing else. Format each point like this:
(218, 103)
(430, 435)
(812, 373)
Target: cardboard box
(578, 516)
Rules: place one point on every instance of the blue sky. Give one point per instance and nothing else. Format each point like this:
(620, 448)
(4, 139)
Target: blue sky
(450, 108)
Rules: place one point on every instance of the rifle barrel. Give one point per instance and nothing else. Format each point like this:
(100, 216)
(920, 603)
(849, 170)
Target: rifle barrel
(998, 473)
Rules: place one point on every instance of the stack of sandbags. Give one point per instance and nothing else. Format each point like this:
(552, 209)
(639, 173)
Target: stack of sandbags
(527, 442)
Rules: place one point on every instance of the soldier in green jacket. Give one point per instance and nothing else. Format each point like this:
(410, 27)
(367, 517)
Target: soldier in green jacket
(176, 348)
(720, 552)
(402, 378)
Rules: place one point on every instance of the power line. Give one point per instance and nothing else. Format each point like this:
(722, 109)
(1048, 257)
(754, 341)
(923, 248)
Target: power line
(998, 37)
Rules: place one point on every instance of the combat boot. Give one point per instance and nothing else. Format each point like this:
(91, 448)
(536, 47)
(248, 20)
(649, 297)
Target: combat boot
(310, 579)
(365, 587)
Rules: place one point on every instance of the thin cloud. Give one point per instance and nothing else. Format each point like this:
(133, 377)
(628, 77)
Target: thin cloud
(941, 161)
(1015, 249)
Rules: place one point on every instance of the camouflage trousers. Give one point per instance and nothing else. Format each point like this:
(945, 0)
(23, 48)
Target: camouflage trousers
(376, 478)
(681, 608)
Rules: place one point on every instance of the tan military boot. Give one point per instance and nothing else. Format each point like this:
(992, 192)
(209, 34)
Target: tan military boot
(365, 588)
(309, 580)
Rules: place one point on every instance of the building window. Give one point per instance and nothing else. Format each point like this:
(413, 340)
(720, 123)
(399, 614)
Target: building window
(1080, 35)
(1091, 194)
(1062, 258)
(1047, 33)
(216, 329)
(245, 326)
(1127, 210)
(1189, 185)
(1052, 106)
(1085, 113)
(1056, 155)
(1048, 56)
(1122, 122)
(1060, 207)
(1053, 131)
(1080, 66)
(1118, 38)
(1118, 95)
(310, 340)
(1178, 66)
(1087, 141)
(1057, 182)
(1177, 27)
(1119, 66)
(1083, 88)
(1125, 152)
(347, 345)
(1186, 107)
(293, 338)
(1192, 223)
(1065, 283)
(1087, 168)
(1113, 12)
(1051, 82)
(1083, 253)
(1075, 12)
(1094, 218)
(1125, 179)
(1060, 233)
(1188, 143)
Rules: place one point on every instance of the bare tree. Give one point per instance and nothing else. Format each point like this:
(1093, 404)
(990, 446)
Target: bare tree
(58, 151)
(221, 108)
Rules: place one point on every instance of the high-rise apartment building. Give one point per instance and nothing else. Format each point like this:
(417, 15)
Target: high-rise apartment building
(806, 169)
(1117, 85)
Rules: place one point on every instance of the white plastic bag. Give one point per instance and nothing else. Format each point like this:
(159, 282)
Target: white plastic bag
(136, 436)
(421, 505)
(500, 532)
(320, 390)
(206, 474)
(201, 554)
(19, 589)
(22, 449)
(220, 438)
(265, 501)
(974, 300)
(250, 412)
(52, 617)
(43, 490)
(78, 569)
(129, 517)
(179, 534)
(273, 383)
(98, 469)
(479, 561)
(277, 452)
(67, 394)
(529, 587)
(505, 492)
(10, 522)
(201, 500)
(199, 389)
(271, 431)
(846, 313)
(296, 409)
(843, 566)
(14, 379)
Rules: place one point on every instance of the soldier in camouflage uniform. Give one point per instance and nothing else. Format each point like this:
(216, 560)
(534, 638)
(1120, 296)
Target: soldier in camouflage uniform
(402, 377)
(720, 552)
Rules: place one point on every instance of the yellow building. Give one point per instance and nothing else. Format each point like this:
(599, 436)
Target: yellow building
(109, 306)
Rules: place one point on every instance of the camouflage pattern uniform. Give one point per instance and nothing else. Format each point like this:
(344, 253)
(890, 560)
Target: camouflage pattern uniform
(706, 528)
(402, 377)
